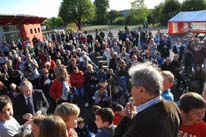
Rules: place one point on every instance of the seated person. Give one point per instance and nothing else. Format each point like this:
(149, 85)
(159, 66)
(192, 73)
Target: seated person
(30, 103)
(82, 130)
(118, 114)
(101, 96)
(8, 124)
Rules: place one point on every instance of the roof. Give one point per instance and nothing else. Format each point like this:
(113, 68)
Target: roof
(188, 16)
(19, 19)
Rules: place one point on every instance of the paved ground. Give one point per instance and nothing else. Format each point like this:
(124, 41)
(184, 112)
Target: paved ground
(116, 30)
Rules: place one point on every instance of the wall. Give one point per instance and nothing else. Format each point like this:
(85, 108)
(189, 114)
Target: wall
(31, 30)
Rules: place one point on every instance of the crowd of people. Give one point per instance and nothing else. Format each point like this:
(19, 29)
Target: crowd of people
(134, 92)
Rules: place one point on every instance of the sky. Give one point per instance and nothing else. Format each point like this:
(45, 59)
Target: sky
(50, 8)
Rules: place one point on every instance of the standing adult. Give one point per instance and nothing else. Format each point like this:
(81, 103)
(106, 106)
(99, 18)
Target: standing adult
(155, 117)
(60, 88)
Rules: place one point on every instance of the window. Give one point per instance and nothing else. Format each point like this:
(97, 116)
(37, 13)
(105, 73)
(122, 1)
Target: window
(39, 30)
(35, 30)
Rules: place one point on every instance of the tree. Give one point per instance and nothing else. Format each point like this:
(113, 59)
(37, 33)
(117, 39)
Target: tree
(138, 13)
(101, 11)
(192, 5)
(170, 8)
(155, 14)
(137, 16)
(138, 4)
(53, 22)
(113, 15)
(76, 11)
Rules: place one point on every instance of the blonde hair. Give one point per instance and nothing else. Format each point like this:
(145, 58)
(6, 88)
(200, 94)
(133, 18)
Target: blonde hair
(59, 73)
(65, 110)
(90, 66)
(168, 75)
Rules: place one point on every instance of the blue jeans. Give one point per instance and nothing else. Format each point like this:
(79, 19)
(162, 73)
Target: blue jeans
(79, 92)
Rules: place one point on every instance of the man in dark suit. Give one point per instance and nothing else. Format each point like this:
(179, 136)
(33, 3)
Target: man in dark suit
(30, 103)
(154, 116)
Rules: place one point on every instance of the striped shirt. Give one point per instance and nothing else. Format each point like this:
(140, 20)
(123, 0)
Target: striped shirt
(148, 104)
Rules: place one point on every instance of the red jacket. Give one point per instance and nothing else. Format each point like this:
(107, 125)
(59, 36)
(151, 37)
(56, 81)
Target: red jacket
(117, 118)
(53, 64)
(77, 79)
(56, 89)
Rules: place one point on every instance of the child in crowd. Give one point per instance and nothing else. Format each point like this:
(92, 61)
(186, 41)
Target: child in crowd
(104, 118)
(53, 126)
(167, 84)
(81, 129)
(35, 125)
(118, 114)
(192, 106)
(8, 124)
(69, 113)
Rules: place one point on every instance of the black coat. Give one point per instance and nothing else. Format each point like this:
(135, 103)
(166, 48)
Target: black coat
(20, 106)
(159, 120)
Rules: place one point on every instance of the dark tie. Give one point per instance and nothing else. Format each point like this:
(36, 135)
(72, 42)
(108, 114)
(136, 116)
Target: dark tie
(30, 105)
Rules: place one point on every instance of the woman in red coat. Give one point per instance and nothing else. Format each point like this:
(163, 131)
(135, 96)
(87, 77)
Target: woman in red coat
(60, 89)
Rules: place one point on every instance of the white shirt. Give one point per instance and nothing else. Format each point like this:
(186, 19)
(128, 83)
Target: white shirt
(9, 128)
(65, 91)
(148, 104)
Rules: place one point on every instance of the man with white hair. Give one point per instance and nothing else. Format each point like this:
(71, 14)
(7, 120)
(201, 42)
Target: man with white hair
(153, 116)
(30, 103)
(114, 61)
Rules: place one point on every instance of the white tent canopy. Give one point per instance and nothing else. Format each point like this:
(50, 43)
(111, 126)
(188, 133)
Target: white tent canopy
(183, 22)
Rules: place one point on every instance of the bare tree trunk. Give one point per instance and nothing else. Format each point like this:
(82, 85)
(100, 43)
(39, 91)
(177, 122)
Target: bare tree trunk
(79, 25)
